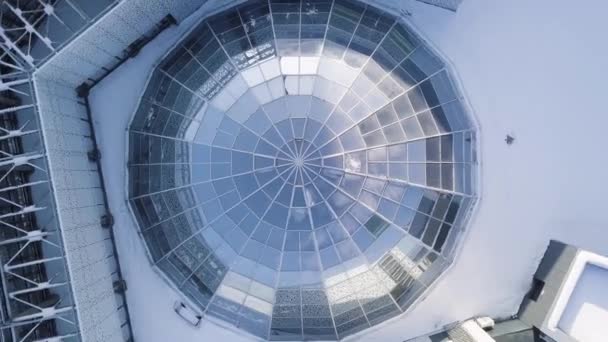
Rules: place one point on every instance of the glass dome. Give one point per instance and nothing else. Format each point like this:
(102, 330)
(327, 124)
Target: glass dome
(301, 169)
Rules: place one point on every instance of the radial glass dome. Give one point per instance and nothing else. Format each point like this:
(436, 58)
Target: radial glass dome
(301, 169)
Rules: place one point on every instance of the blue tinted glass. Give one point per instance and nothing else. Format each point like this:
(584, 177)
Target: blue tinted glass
(302, 142)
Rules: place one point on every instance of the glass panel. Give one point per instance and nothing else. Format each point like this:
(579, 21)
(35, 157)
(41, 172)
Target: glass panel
(329, 182)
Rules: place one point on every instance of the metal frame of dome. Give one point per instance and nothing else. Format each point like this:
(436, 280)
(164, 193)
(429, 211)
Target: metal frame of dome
(351, 101)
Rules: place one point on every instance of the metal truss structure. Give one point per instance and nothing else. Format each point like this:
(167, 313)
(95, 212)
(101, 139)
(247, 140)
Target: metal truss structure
(36, 296)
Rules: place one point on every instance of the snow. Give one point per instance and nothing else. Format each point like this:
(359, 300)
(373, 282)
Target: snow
(587, 309)
(532, 69)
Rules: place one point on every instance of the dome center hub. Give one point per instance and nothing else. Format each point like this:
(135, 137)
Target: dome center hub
(299, 161)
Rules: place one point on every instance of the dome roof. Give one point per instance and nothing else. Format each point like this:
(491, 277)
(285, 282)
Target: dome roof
(301, 170)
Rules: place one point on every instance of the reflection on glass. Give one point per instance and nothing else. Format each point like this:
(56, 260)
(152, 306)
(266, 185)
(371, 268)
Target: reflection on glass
(301, 169)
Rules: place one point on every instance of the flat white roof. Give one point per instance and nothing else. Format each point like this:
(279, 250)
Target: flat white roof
(587, 310)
